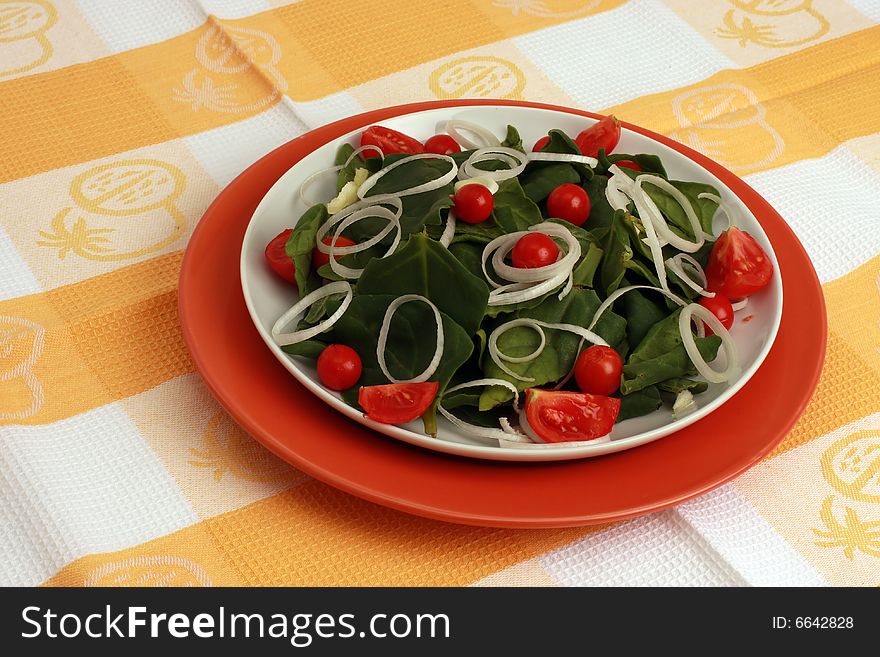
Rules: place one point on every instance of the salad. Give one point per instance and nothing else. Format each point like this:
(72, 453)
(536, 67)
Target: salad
(531, 297)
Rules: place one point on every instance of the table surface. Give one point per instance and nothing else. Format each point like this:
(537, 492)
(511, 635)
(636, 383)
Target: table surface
(122, 121)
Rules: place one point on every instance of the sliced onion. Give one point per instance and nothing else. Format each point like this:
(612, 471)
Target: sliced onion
(651, 237)
(324, 228)
(723, 207)
(739, 305)
(377, 211)
(506, 432)
(569, 284)
(298, 310)
(676, 266)
(690, 345)
(488, 183)
(334, 169)
(487, 136)
(536, 325)
(437, 183)
(386, 327)
(488, 382)
(619, 292)
(449, 231)
(519, 292)
(516, 159)
(662, 227)
(684, 403)
(563, 157)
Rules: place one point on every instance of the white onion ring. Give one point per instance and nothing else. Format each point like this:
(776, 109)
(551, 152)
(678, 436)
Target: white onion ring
(690, 345)
(504, 433)
(659, 220)
(724, 207)
(488, 183)
(536, 325)
(676, 266)
(563, 157)
(333, 169)
(516, 159)
(386, 327)
(377, 211)
(437, 183)
(619, 292)
(324, 228)
(739, 305)
(298, 309)
(488, 382)
(488, 137)
(449, 231)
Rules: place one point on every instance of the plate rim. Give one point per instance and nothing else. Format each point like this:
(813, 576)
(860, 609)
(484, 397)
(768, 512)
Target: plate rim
(516, 519)
(489, 452)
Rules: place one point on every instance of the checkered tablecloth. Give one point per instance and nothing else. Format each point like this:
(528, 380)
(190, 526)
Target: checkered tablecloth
(121, 121)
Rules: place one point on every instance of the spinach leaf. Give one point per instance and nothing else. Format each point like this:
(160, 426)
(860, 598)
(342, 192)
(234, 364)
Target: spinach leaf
(425, 267)
(641, 314)
(514, 209)
(660, 338)
(675, 363)
(676, 386)
(648, 162)
(644, 401)
(586, 269)
(418, 209)
(513, 140)
(469, 254)
(346, 174)
(307, 349)
(557, 359)
(562, 143)
(704, 208)
(301, 244)
(617, 252)
(601, 213)
(538, 182)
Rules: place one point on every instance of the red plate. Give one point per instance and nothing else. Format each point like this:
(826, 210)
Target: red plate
(276, 410)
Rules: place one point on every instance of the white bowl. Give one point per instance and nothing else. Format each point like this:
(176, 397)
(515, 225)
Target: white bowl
(267, 297)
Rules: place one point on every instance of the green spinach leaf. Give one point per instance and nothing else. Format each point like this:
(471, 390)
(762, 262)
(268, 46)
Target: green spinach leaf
(301, 244)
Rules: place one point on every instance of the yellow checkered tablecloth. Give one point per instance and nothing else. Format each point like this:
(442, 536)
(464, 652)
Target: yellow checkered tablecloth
(121, 121)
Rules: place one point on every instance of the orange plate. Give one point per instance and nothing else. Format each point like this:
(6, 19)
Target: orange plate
(262, 396)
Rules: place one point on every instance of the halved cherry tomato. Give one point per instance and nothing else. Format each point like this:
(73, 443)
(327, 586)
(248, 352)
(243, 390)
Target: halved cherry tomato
(319, 258)
(390, 141)
(473, 203)
(442, 144)
(539, 145)
(534, 250)
(720, 306)
(277, 257)
(597, 370)
(570, 202)
(738, 266)
(396, 403)
(339, 367)
(628, 164)
(557, 416)
(604, 134)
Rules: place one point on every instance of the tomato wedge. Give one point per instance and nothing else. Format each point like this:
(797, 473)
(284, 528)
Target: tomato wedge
(277, 257)
(604, 134)
(390, 141)
(738, 266)
(558, 417)
(396, 403)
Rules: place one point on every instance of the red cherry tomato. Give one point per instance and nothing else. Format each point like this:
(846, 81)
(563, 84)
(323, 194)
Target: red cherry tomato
(628, 164)
(719, 305)
(534, 250)
(390, 141)
(473, 203)
(541, 143)
(277, 257)
(558, 417)
(598, 369)
(339, 367)
(569, 202)
(738, 266)
(396, 403)
(442, 144)
(319, 258)
(604, 134)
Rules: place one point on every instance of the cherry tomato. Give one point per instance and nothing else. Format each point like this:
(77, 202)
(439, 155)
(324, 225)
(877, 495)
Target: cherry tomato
(442, 144)
(319, 258)
(557, 416)
(390, 141)
(628, 164)
(339, 367)
(473, 203)
(604, 134)
(569, 202)
(396, 403)
(597, 370)
(738, 266)
(541, 143)
(277, 257)
(719, 305)
(534, 250)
